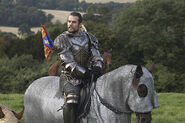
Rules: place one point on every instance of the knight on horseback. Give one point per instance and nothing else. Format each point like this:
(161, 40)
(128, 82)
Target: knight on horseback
(80, 59)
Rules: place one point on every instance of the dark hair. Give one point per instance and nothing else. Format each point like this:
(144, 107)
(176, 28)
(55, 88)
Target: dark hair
(78, 15)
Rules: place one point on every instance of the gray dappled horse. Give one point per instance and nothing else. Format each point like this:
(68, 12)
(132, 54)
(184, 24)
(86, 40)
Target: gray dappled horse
(117, 94)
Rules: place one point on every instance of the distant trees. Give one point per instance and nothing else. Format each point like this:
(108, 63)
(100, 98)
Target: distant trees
(18, 15)
(24, 29)
(4, 41)
(31, 45)
(104, 35)
(18, 72)
(147, 31)
(21, 62)
(153, 30)
(71, 5)
(2, 47)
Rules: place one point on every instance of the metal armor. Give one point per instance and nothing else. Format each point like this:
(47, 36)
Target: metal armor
(77, 53)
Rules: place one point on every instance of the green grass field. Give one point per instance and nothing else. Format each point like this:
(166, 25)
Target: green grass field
(13, 101)
(171, 109)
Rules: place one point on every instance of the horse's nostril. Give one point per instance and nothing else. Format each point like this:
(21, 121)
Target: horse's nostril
(143, 120)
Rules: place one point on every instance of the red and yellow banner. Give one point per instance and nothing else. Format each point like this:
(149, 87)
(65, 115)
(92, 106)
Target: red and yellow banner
(47, 42)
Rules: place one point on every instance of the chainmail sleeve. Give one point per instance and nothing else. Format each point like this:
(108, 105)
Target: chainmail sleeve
(97, 60)
(63, 47)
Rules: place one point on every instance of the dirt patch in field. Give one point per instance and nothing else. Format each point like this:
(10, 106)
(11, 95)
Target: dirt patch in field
(59, 15)
(106, 1)
(14, 30)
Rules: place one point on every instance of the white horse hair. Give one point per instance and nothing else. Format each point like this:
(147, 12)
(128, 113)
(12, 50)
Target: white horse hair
(43, 98)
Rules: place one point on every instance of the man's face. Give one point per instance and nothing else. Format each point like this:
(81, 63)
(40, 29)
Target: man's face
(73, 24)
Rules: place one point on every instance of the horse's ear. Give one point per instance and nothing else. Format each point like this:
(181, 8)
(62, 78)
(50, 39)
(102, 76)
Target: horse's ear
(110, 50)
(151, 68)
(20, 114)
(1, 113)
(139, 71)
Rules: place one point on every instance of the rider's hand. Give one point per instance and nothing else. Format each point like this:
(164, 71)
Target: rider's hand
(87, 76)
(96, 71)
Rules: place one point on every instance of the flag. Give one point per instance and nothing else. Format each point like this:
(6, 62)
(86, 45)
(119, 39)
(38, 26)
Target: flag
(47, 42)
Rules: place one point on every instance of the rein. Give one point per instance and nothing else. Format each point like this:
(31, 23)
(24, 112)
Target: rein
(109, 106)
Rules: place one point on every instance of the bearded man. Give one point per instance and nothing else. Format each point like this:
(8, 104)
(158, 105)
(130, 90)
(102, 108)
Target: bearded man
(80, 59)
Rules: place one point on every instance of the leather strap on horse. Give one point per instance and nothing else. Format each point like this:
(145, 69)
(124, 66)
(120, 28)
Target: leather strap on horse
(109, 106)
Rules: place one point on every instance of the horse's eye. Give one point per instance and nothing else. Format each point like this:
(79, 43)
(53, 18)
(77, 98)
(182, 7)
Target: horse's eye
(142, 90)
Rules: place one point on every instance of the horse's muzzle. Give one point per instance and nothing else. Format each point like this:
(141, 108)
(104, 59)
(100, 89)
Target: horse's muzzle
(144, 117)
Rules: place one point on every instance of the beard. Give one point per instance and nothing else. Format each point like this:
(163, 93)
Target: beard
(72, 30)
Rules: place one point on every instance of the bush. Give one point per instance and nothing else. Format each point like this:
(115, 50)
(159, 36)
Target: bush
(18, 72)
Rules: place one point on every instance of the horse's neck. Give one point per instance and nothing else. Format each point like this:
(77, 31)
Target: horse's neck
(114, 87)
(99, 113)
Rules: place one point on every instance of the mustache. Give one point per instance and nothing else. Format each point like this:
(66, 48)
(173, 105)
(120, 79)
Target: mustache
(70, 27)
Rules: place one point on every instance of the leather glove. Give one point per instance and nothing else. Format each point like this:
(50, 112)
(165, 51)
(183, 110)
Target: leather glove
(87, 76)
(96, 71)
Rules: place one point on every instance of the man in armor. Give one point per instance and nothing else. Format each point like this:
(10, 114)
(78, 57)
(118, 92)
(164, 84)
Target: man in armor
(80, 59)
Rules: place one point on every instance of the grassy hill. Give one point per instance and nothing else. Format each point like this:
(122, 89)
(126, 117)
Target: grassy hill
(170, 110)
(106, 1)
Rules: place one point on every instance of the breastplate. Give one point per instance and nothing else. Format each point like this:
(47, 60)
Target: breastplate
(80, 49)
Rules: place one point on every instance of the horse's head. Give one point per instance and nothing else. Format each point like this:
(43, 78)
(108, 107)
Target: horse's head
(142, 98)
(54, 69)
(128, 89)
(9, 116)
(107, 60)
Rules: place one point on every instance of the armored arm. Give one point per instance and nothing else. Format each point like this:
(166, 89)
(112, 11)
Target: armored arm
(97, 60)
(63, 48)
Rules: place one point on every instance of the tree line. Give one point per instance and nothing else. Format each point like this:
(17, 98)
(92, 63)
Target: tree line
(145, 32)
(11, 15)
(28, 13)
(70, 5)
